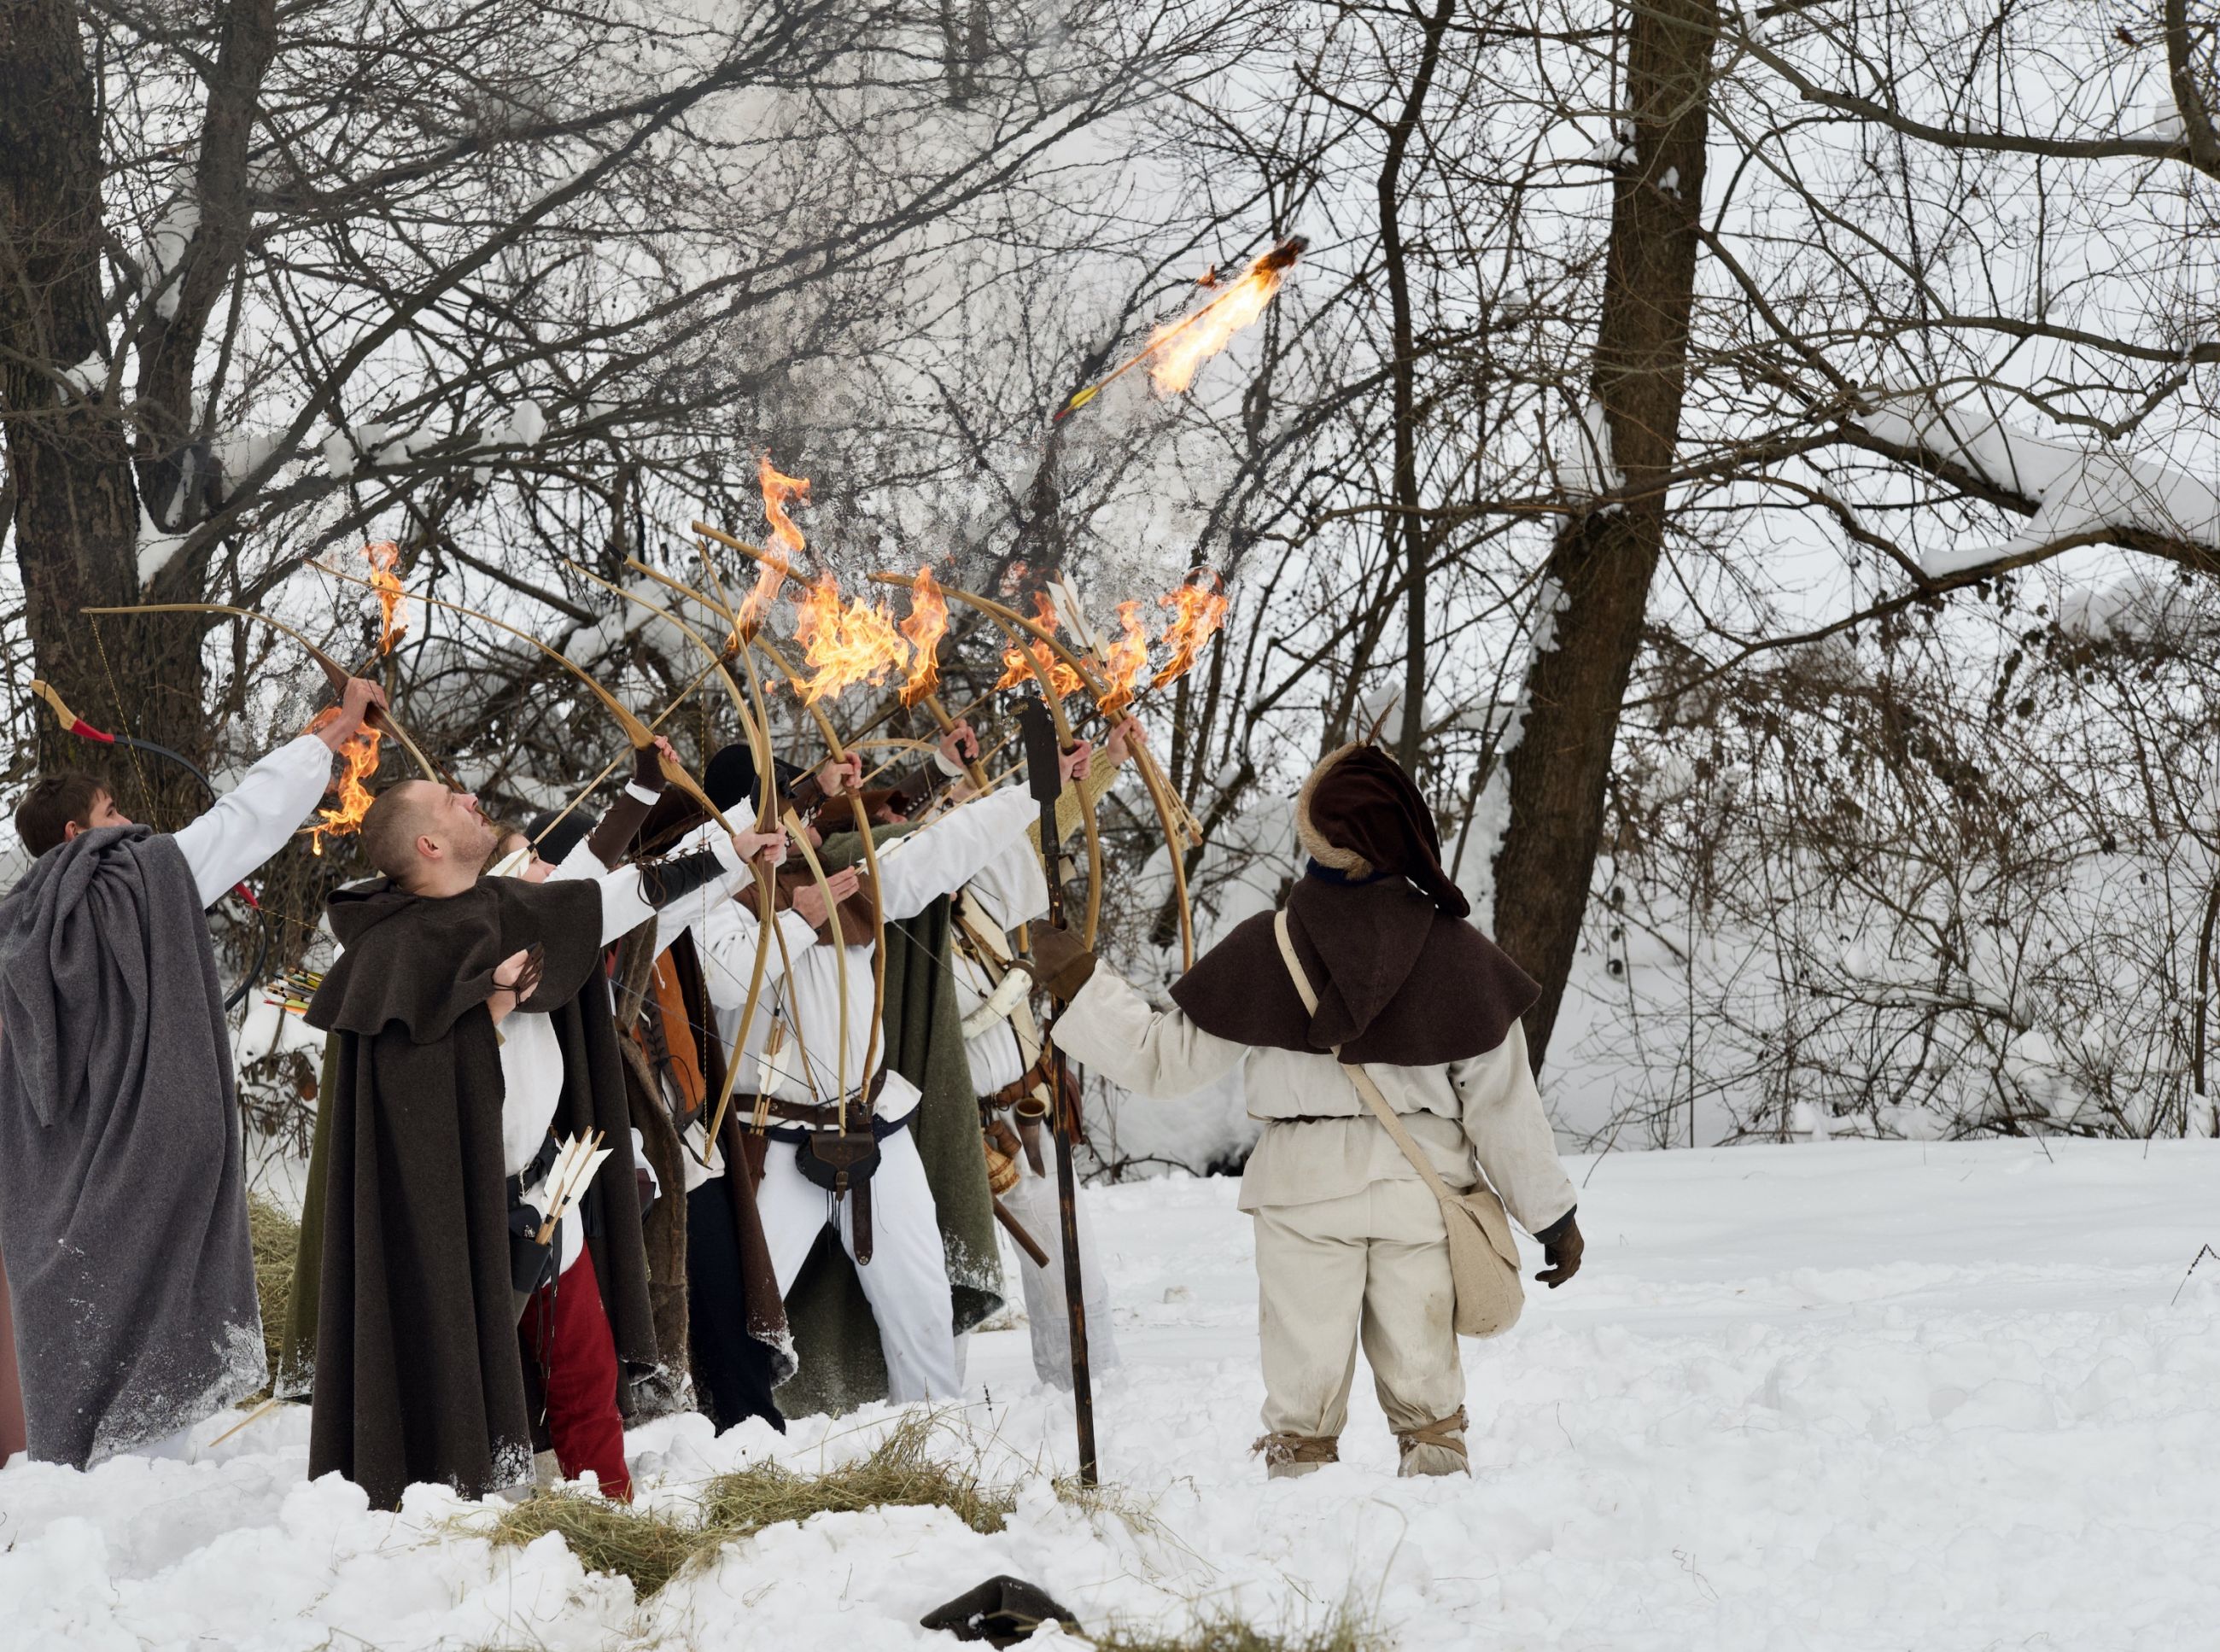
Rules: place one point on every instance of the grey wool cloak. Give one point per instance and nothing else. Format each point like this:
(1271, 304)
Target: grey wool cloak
(123, 1201)
(418, 1373)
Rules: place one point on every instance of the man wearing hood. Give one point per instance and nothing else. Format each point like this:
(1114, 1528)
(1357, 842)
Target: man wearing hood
(418, 1372)
(1351, 1243)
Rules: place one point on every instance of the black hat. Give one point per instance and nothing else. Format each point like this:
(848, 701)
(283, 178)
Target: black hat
(730, 781)
(554, 840)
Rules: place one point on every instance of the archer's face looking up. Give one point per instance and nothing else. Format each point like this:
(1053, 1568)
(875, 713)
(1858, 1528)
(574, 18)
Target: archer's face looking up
(427, 837)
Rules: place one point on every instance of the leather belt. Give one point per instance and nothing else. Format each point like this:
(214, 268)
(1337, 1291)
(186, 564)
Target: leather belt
(817, 1116)
(1020, 1087)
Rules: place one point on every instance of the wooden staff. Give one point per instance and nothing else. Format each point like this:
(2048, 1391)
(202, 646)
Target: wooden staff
(1045, 749)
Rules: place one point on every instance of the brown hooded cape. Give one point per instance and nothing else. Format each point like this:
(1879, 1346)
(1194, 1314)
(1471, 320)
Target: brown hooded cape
(1398, 981)
(418, 1373)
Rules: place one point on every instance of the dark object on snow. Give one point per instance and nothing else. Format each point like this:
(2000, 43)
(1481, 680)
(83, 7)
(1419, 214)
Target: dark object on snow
(1000, 1612)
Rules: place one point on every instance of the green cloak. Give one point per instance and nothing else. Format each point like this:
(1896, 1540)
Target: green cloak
(834, 1334)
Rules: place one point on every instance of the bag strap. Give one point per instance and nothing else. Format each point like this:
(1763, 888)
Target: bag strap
(1363, 1080)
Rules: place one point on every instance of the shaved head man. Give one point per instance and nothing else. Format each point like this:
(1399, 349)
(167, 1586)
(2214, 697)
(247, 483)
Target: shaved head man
(429, 838)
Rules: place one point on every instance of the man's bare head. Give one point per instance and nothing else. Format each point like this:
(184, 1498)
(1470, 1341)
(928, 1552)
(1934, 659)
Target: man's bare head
(427, 838)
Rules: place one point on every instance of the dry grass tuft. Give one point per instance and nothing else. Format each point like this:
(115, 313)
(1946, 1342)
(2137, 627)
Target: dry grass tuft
(276, 1238)
(647, 1546)
(1348, 1631)
(651, 1547)
(899, 1473)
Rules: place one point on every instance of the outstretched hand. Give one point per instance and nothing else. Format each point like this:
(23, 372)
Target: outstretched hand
(361, 698)
(809, 899)
(959, 746)
(766, 848)
(840, 775)
(1077, 761)
(1126, 738)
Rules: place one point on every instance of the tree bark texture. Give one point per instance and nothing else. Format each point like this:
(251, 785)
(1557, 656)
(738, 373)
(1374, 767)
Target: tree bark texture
(71, 446)
(1606, 552)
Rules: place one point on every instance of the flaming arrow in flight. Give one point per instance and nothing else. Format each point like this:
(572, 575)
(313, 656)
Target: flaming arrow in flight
(1178, 349)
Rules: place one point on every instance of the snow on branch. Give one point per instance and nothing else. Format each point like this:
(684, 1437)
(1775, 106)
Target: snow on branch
(2079, 492)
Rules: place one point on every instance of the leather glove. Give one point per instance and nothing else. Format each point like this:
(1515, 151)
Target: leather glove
(1562, 1246)
(1061, 961)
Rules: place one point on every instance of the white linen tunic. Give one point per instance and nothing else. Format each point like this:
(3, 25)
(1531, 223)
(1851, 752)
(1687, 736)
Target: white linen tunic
(253, 821)
(1320, 1141)
(532, 1055)
(1009, 891)
(913, 872)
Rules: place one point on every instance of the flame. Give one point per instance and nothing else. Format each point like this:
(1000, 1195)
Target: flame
(1180, 347)
(359, 752)
(927, 625)
(385, 558)
(1017, 672)
(845, 643)
(1127, 661)
(1198, 610)
(778, 492)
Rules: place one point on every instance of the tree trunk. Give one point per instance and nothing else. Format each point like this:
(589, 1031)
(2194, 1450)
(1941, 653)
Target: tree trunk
(77, 501)
(75, 509)
(1606, 554)
(1406, 530)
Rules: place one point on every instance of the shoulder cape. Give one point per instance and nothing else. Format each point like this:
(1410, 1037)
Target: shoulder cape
(1398, 981)
(419, 1374)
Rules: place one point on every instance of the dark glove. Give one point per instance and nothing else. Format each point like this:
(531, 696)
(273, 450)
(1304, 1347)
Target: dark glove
(1562, 1245)
(1061, 961)
(647, 768)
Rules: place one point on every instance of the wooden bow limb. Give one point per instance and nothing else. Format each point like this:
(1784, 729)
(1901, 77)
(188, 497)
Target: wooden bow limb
(1006, 619)
(335, 672)
(610, 767)
(1174, 821)
(839, 753)
(871, 864)
(757, 738)
(634, 730)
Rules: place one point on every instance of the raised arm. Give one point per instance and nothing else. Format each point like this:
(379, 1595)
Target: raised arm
(252, 821)
(944, 856)
(633, 893)
(1110, 1026)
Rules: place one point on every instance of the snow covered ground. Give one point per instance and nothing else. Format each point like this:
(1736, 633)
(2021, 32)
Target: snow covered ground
(1856, 1395)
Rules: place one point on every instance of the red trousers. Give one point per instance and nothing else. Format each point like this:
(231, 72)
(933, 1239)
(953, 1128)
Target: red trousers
(577, 1357)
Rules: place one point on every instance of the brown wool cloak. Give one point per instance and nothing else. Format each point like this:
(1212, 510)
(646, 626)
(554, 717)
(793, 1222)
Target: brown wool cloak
(664, 1224)
(1399, 981)
(418, 1372)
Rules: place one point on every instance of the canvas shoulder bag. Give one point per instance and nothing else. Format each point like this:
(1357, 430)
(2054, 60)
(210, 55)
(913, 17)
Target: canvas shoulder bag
(1483, 1256)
